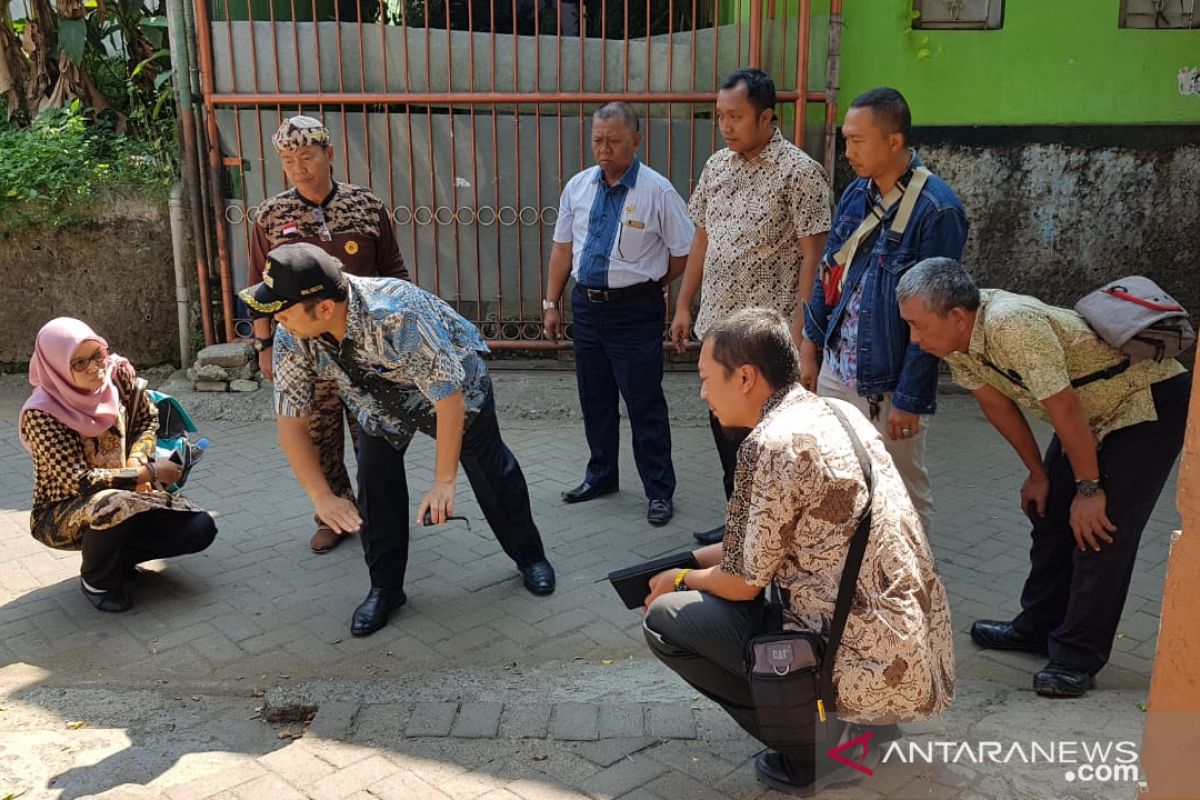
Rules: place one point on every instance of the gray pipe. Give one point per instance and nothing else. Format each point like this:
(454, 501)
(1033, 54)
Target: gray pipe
(179, 250)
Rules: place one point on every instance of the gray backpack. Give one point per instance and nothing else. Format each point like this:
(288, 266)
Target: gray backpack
(1134, 315)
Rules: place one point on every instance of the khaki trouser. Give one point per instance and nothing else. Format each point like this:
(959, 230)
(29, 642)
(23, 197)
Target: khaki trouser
(908, 454)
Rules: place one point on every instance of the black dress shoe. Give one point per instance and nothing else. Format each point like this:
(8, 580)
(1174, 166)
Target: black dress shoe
(660, 511)
(584, 492)
(372, 613)
(710, 537)
(1059, 680)
(114, 601)
(784, 774)
(539, 577)
(993, 634)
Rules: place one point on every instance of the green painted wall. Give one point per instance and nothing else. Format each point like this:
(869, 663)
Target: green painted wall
(1054, 62)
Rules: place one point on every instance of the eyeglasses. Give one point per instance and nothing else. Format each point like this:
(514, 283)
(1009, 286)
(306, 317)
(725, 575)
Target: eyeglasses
(319, 216)
(98, 358)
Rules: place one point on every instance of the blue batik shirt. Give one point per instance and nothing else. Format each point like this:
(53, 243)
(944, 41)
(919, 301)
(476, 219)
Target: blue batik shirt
(404, 350)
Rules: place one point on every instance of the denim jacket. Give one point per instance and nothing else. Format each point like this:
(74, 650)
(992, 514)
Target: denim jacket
(887, 361)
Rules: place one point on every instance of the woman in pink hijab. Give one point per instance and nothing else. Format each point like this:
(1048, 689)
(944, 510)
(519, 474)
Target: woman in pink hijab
(97, 477)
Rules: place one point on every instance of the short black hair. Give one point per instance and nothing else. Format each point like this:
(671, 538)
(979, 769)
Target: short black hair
(760, 338)
(890, 107)
(760, 88)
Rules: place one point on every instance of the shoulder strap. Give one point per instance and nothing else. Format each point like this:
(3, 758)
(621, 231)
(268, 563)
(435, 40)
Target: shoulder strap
(870, 222)
(911, 192)
(906, 196)
(853, 565)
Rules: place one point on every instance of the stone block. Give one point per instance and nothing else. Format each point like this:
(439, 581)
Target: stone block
(246, 372)
(243, 386)
(431, 719)
(479, 720)
(578, 722)
(211, 386)
(232, 355)
(208, 372)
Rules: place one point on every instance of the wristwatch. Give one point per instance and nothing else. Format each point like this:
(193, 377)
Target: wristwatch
(263, 344)
(549, 304)
(680, 582)
(1088, 488)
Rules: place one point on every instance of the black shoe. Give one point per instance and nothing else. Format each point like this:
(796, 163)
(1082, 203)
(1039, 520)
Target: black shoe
(660, 512)
(372, 613)
(584, 492)
(992, 634)
(785, 775)
(1059, 680)
(539, 577)
(113, 601)
(710, 537)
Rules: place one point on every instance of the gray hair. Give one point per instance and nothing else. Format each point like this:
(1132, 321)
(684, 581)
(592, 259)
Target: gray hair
(941, 284)
(621, 111)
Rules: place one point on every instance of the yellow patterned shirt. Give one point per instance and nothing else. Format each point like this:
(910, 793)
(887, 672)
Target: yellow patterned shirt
(1035, 351)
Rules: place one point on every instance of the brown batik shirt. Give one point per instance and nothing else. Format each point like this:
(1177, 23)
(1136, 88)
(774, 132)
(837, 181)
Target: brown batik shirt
(797, 499)
(755, 212)
(360, 231)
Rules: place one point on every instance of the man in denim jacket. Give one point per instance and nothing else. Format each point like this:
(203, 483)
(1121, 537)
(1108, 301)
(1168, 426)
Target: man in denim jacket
(856, 345)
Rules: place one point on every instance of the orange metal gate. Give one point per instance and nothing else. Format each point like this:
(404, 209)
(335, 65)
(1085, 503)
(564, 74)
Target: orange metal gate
(468, 116)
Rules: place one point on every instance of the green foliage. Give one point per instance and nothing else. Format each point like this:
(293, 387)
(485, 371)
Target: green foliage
(919, 40)
(64, 162)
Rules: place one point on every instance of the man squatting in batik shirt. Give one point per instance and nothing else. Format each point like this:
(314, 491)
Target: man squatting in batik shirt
(347, 221)
(402, 361)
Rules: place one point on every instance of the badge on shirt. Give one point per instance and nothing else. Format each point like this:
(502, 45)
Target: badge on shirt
(289, 230)
(633, 223)
(351, 247)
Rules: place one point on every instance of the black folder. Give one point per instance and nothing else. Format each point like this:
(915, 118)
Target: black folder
(633, 583)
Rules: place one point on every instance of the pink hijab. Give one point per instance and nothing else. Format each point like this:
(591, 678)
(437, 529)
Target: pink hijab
(88, 413)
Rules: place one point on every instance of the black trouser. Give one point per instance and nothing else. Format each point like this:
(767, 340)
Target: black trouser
(1072, 597)
(110, 554)
(728, 441)
(618, 348)
(493, 472)
(703, 638)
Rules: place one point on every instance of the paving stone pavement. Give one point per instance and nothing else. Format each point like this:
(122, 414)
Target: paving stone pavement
(235, 676)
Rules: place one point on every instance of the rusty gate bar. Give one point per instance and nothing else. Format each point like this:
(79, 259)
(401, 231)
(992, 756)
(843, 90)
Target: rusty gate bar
(480, 98)
(536, 106)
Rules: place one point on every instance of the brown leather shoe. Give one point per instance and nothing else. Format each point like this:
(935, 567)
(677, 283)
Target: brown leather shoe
(325, 539)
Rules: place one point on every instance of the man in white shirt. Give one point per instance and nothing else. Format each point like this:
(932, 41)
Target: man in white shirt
(623, 234)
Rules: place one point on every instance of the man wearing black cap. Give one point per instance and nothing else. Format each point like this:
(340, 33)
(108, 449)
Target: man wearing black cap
(403, 361)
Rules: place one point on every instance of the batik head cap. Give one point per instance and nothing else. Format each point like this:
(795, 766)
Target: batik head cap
(300, 131)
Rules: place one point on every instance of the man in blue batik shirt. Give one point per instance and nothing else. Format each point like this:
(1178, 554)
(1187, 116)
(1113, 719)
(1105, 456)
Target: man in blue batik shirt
(403, 361)
(856, 346)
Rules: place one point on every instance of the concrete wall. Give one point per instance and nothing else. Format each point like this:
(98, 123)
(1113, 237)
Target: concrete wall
(115, 272)
(1056, 212)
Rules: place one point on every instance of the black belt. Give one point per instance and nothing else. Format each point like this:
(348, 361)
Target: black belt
(609, 295)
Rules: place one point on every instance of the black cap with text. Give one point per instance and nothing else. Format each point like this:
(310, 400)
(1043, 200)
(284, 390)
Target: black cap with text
(294, 273)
